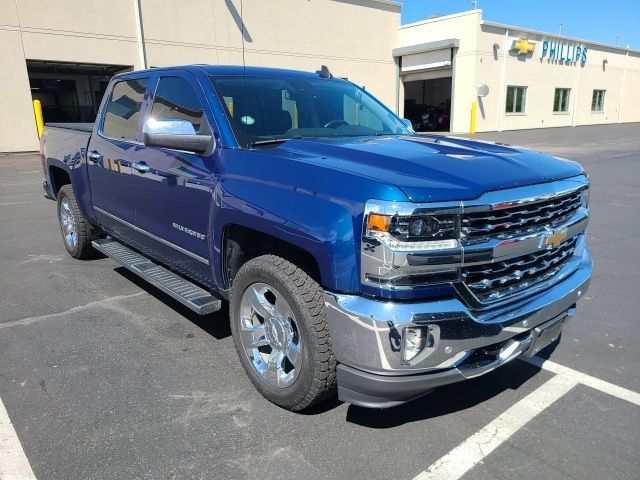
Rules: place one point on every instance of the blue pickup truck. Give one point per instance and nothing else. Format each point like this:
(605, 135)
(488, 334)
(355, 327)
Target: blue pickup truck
(357, 257)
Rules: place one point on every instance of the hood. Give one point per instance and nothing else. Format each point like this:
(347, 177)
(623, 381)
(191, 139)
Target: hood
(431, 168)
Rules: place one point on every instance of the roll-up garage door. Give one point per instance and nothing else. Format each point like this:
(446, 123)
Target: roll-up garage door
(435, 59)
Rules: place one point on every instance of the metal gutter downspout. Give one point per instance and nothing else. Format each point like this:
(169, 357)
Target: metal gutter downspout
(140, 34)
(398, 62)
(624, 77)
(575, 99)
(502, 94)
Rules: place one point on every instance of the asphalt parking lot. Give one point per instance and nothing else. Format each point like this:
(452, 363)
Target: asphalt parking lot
(104, 377)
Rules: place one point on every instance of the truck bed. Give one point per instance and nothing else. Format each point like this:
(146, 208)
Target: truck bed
(63, 145)
(65, 142)
(82, 127)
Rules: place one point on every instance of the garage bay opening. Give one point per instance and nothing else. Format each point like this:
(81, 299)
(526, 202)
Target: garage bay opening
(70, 92)
(427, 103)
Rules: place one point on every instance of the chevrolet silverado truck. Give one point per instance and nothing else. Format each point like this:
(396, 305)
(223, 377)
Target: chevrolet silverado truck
(357, 257)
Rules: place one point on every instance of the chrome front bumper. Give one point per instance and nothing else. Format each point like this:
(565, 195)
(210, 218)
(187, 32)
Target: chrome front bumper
(366, 336)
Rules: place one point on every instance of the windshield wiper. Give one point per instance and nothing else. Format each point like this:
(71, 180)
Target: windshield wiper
(271, 141)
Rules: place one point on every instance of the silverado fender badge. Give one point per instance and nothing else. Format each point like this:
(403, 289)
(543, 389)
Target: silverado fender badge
(552, 238)
(188, 231)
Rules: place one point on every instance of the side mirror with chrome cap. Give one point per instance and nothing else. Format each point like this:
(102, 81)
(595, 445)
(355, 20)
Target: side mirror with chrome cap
(176, 134)
(408, 123)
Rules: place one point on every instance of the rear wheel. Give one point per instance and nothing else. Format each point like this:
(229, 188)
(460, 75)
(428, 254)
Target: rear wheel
(280, 333)
(77, 233)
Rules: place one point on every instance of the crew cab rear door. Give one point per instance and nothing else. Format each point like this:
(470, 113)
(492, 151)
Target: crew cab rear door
(173, 193)
(112, 152)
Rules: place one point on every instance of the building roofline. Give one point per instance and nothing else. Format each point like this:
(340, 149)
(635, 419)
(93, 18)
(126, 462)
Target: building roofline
(515, 27)
(426, 47)
(555, 35)
(386, 2)
(438, 19)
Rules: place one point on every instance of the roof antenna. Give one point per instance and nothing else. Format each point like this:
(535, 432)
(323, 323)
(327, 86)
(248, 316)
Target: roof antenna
(324, 72)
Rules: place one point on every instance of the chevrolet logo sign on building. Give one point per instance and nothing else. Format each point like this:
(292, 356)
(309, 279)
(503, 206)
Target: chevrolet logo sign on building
(523, 46)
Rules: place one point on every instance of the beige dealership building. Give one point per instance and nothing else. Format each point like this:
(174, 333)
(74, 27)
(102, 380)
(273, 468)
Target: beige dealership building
(518, 78)
(64, 57)
(65, 54)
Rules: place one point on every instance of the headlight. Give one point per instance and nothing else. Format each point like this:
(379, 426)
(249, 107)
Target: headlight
(426, 227)
(584, 198)
(407, 246)
(415, 232)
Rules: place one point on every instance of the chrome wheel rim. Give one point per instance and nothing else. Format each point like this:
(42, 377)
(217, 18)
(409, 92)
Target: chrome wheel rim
(269, 335)
(68, 224)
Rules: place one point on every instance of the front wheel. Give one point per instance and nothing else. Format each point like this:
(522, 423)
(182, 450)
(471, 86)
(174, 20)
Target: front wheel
(280, 333)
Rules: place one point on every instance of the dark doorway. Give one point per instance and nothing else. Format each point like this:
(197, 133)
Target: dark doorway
(427, 103)
(70, 92)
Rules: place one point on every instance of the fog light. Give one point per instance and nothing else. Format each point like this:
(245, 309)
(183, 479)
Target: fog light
(414, 340)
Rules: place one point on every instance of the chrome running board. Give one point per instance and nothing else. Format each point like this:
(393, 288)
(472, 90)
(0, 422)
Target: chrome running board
(187, 293)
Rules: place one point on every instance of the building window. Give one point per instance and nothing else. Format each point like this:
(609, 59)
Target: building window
(561, 100)
(516, 97)
(597, 101)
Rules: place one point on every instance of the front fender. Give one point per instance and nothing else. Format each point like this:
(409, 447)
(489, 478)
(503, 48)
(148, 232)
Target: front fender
(318, 226)
(316, 209)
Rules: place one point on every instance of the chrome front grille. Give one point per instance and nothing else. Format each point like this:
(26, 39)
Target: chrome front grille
(520, 219)
(494, 281)
(511, 244)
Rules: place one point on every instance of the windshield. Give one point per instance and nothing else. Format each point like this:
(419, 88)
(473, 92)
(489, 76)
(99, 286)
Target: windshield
(268, 109)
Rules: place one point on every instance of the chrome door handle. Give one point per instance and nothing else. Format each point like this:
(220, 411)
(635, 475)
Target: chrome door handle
(94, 156)
(141, 167)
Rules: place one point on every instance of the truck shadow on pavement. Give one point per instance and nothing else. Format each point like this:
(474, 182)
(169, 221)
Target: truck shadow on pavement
(451, 398)
(442, 401)
(215, 324)
(445, 400)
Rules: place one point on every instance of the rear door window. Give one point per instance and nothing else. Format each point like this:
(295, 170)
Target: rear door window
(123, 110)
(176, 99)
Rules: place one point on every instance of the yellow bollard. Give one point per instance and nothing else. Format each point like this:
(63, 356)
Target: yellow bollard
(37, 110)
(472, 127)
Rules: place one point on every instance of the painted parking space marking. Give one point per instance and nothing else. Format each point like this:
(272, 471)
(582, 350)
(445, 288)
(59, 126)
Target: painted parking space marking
(20, 184)
(593, 382)
(14, 464)
(475, 448)
(26, 172)
(77, 308)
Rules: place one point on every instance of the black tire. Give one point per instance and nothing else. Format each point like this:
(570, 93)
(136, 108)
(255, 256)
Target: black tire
(316, 378)
(84, 232)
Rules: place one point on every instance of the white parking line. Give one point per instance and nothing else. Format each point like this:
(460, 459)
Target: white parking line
(475, 448)
(13, 462)
(78, 308)
(12, 203)
(588, 380)
(21, 173)
(20, 184)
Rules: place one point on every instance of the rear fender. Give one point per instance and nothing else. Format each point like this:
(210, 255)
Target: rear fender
(75, 166)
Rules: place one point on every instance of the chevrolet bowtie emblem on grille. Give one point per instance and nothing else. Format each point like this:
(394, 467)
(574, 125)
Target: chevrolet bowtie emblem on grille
(523, 46)
(553, 238)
